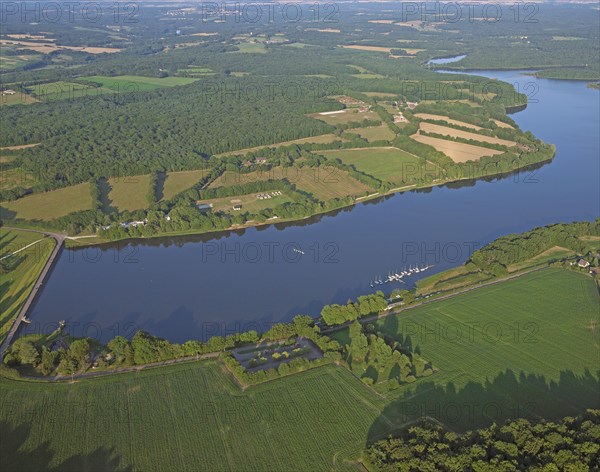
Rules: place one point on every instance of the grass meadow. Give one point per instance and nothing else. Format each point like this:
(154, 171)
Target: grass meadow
(385, 163)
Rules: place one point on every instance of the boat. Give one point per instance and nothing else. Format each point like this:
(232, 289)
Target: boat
(26, 320)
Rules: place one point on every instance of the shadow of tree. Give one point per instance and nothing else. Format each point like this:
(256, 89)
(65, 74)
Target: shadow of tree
(477, 405)
(15, 456)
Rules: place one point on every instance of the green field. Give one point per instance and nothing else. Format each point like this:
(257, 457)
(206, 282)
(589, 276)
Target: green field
(375, 133)
(212, 424)
(49, 205)
(324, 183)
(136, 83)
(179, 181)
(129, 193)
(530, 343)
(310, 421)
(15, 177)
(22, 270)
(62, 90)
(253, 48)
(385, 163)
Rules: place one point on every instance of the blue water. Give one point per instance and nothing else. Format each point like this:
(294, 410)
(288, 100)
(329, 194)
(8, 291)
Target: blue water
(180, 289)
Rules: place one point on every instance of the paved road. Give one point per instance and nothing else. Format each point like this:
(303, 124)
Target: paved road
(59, 238)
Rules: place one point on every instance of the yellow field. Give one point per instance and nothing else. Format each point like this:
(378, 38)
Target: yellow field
(49, 205)
(345, 116)
(47, 48)
(374, 133)
(367, 48)
(429, 116)
(458, 152)
(501, 124)
(456, 133)
(129, 193)
(179, 181)
(324, 183)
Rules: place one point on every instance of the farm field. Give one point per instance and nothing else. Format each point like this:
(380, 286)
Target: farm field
(456, 133)
(48, 205)
(250, 203)
(367, 48)
(458, 152)
(429, 116)
(18, 98)
(62, 90)
(507, 346)
(179, 181)
(324, 183)
(385, 163)
(252, 48)
(345, 116)
(375, 133)
(127, 419)
(136, 83)
(129, 193)
(24, 266)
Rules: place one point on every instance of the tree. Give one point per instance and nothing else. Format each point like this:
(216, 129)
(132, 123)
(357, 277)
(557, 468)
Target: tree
(79, 351)
(28, 353)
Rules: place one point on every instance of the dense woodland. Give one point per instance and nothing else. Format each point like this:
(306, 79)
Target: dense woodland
(570, 444)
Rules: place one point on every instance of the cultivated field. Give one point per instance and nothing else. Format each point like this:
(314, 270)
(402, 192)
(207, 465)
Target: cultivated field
(179, 181)
(15, 177)
(375, 133)
(316, 420)
(456, 133)
(367, 48)
(49, 205)
(24, 268)
(429, 116)
(527, 344)
(324, 183)
(250, 203)
(458, 152)
(129, 193)
(65, 90)
(136, 83)
(385, 163)
(345, 116)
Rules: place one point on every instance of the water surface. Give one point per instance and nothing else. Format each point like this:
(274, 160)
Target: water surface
(193, 287)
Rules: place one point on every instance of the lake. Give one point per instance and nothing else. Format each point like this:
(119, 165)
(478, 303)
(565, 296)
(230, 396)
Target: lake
(195, 287)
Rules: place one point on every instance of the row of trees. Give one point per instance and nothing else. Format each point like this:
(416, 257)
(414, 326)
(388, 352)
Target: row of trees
(366, 305)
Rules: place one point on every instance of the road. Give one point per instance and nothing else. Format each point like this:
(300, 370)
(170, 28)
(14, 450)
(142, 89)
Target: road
(59, 238)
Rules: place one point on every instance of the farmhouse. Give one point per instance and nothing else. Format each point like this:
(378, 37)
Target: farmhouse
(261, 160)
(583, 263)
(237, 207)
(411, 105)
(8, 92)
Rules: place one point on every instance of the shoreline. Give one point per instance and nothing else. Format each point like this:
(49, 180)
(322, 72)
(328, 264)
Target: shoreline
(94, 240)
